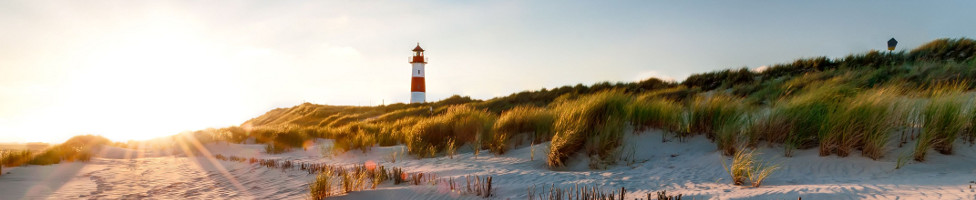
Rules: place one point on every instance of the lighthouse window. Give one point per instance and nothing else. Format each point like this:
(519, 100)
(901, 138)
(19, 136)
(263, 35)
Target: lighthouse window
(418, 71)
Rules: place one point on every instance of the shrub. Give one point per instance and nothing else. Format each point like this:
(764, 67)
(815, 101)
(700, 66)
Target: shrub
(599, 118)
(712, 80)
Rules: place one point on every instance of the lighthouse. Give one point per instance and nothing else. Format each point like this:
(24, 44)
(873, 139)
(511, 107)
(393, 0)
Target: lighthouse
(417, 88)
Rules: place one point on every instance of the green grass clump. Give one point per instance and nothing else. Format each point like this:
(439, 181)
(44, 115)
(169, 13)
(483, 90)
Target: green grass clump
(742, 161)
(731, 128)
(321, 187)
(971, 118)
(865, 121)
(522, 119)
(769, 124)
(884, 117)
(760, 171)
(745, 166)
(708, 114)
(596, 121)
(809, 113)
(942, 123)
(721, 118)
(463, 124)
(654, 112)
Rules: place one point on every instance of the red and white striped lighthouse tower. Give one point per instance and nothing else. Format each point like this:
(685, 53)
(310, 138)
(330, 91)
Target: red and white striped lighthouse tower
(417, 88)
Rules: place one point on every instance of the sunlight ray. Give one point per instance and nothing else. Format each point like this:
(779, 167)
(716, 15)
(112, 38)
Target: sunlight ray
(220, 168)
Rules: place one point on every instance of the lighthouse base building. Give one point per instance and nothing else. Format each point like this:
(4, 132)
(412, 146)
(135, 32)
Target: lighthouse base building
(417, 87)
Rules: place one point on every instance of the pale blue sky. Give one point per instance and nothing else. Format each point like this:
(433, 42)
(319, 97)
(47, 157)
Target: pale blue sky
(143, 69)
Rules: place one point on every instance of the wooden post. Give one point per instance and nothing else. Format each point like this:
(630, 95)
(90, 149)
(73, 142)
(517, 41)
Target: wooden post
(622, 191)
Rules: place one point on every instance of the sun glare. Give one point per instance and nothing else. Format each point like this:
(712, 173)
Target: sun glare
(142, 81)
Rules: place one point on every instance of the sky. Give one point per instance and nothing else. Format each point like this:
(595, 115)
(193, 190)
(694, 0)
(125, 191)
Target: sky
(135, 70)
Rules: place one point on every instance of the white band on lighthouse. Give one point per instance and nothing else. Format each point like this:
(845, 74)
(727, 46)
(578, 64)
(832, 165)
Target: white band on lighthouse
(417, 97)
(418, 69)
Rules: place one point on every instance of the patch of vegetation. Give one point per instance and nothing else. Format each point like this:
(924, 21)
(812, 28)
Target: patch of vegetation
(78, 148)
(744, 166)
(943, 120)
(536, 121)
(462, 124)
(650, 111)
(595, 122)
(575, 192)
(840, 105)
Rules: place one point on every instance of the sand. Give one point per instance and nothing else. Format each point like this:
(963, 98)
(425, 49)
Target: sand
(693, 168)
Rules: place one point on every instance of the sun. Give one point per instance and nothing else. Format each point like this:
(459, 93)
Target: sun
(140, 81)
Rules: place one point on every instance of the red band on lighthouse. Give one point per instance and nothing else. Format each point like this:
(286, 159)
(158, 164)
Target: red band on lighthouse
(417, 84)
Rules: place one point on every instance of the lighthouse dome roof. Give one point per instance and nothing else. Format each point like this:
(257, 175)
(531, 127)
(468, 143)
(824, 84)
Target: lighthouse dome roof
(418, 48)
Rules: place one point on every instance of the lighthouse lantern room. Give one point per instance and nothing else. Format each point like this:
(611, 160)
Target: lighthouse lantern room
(417, 88)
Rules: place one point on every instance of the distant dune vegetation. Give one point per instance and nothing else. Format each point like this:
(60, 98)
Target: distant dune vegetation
(860, 104)
(863, 103)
